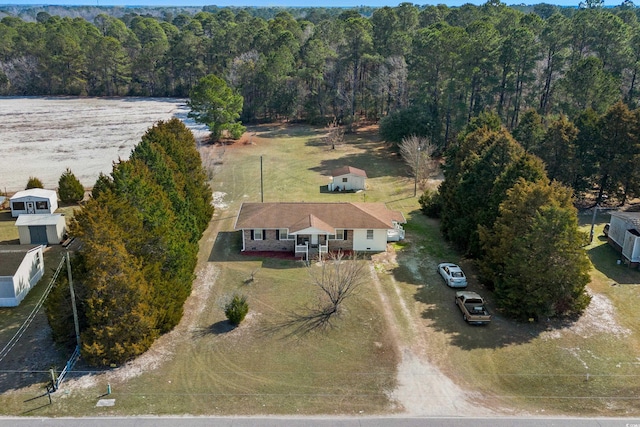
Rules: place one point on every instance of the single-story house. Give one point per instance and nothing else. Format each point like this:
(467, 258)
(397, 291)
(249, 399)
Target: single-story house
(308, 229)
(41, 229)
(624, 235)
(21, 266)
(347, 178)
(34, 201)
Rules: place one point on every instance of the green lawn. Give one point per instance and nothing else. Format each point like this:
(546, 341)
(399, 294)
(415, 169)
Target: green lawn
(262, 367)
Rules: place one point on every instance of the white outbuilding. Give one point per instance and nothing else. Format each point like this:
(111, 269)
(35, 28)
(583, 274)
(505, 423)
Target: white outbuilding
(21, 266)
(43, 229)
(347, 178)
(624, 235)
(34, 201)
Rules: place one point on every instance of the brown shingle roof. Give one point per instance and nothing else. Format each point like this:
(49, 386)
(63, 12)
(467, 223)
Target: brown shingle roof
(324, 216)
(348, 170)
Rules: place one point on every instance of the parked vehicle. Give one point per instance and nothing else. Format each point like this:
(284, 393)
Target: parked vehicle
(472, 307)
(452, 275)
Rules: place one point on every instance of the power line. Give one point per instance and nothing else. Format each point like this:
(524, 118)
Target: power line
(16, 337)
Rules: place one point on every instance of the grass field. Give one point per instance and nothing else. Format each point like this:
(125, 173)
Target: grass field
(589, 366)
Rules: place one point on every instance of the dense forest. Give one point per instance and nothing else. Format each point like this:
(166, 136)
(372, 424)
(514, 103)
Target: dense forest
(448, 63)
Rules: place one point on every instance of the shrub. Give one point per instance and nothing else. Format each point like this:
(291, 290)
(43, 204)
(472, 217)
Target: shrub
(34, 183)
(431, 203)
(236, 309)
(69, 188)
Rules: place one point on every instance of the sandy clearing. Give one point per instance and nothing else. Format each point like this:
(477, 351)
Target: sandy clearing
(598, 318)
(43, 136)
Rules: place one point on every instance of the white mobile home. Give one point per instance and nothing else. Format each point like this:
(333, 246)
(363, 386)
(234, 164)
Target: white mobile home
(34, 201)
(41, 229)
(624, 235)
(21, 266)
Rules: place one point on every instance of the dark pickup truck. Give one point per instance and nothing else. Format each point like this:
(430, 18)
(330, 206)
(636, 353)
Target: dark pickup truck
(472, 306)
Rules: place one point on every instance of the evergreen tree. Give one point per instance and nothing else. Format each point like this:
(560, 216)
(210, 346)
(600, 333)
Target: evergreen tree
(586, 142)
(119, 321)
(217, 105)
(558, 150)
(615, 150)
(469, 184)
(530, 130)
(70, 189)
(534, 254)
(140, 232)
(34, 182)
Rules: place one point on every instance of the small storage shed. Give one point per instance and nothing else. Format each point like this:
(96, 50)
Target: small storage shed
(44, 229)
(347, 178)
(34, 201)
(21, 266)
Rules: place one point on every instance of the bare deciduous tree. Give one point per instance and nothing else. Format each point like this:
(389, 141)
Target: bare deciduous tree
(416, 151)
(337, 278)
(335, 134)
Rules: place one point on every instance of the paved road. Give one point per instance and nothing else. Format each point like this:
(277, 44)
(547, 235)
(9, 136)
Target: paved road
(317, 422)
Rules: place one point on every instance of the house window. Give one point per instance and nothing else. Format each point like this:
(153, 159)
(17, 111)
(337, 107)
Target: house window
(19, 206)
(284, 234)
(369, 234)
(339, 235)
(42, 205)
(257, 234)
(345, 179)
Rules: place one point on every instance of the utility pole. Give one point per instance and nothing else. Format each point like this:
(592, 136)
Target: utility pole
(261, 183)
(415, 181)
(73, 301)
(593, 222)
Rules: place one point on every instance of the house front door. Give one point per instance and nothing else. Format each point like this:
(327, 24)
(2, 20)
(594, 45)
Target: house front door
(314, 239)
(31, 207)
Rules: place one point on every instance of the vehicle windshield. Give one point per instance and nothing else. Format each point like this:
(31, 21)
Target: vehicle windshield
(457, 274)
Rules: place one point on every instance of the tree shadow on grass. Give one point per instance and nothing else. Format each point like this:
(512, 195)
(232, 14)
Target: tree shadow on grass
(227, 247)
(287, 130)
(6, 216)
(605, 259)
(301, 322)
(218, 328)
(376, 163)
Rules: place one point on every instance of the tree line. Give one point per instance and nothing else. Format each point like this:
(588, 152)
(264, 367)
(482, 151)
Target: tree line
(446, 63)
(596, 155)
(138, 237)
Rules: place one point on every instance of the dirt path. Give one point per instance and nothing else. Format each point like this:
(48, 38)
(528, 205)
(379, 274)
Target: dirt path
(422, 389)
